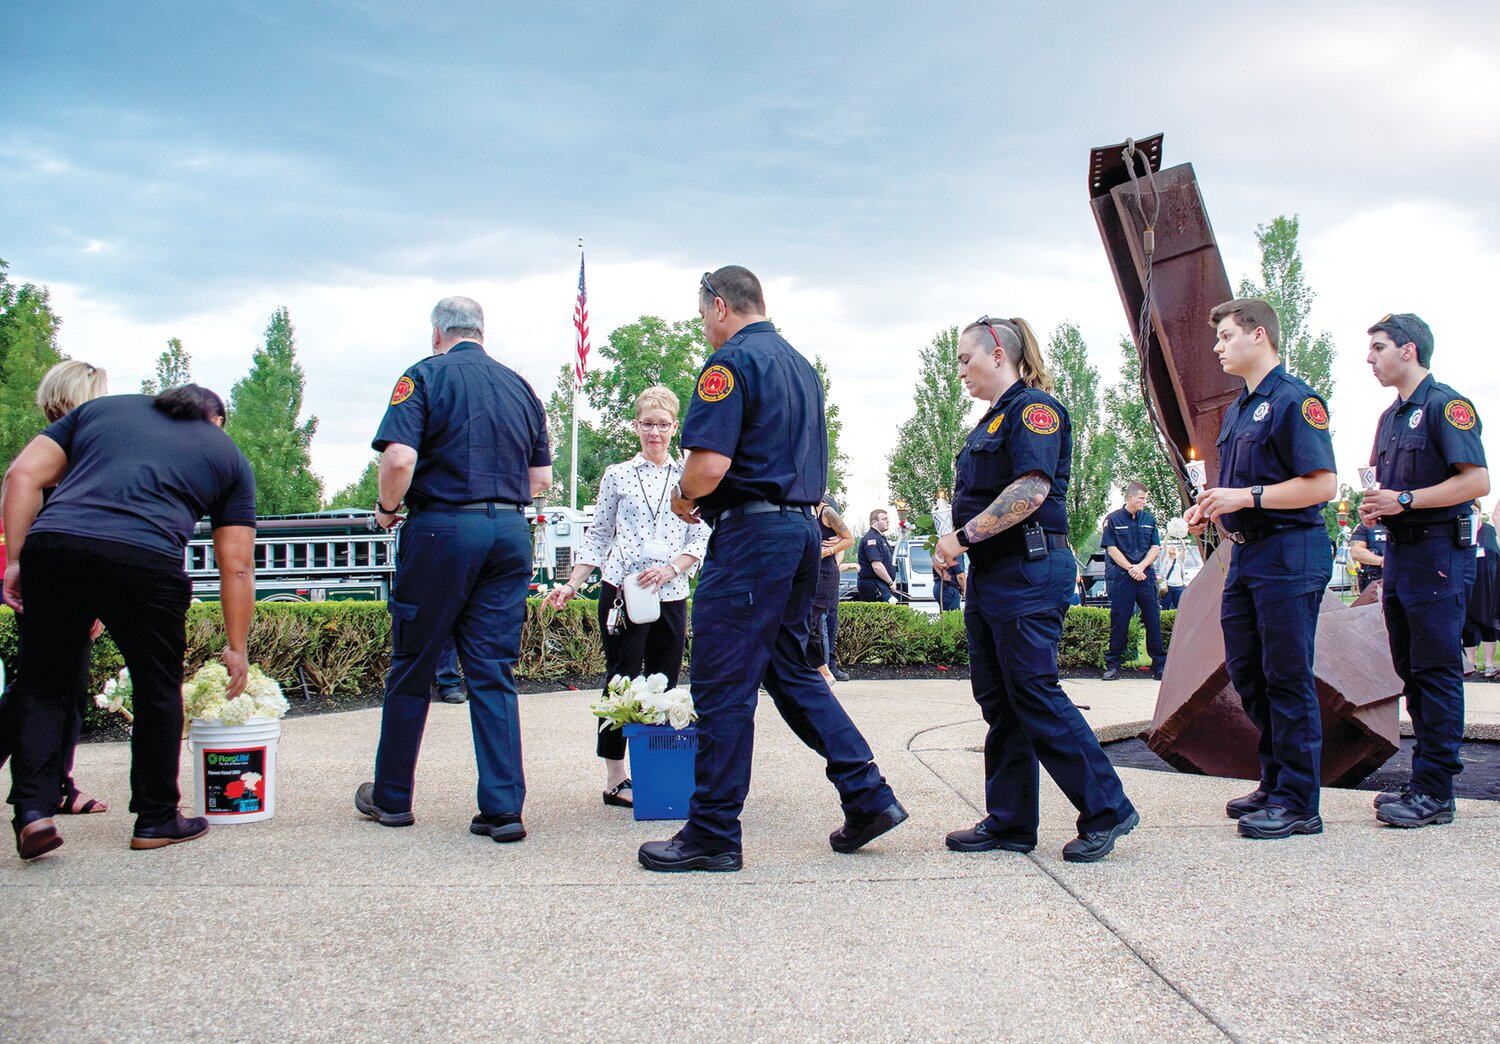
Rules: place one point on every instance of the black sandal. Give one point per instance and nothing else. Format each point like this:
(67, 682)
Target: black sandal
(77, 803)
(612, 795)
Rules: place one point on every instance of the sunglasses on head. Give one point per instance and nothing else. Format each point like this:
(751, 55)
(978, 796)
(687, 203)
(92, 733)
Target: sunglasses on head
(989, 324)
(705, 284)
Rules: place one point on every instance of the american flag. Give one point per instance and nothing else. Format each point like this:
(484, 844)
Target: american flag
(581, 324)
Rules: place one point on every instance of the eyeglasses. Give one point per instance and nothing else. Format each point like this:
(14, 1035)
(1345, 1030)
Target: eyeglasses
(655, 425)
(989, 324)
(705, 284)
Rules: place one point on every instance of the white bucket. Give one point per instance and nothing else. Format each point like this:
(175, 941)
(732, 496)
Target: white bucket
(234, 769)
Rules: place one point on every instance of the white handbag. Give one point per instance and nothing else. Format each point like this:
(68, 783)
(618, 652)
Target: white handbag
(642, 604)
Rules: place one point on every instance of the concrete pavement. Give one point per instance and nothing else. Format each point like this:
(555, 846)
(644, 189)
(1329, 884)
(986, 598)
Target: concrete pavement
(319, 925)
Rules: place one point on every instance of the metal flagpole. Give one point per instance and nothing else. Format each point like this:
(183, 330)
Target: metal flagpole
(577, 384)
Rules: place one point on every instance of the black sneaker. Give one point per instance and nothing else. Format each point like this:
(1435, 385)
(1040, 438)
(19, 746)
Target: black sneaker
(502, 826)
(678, 855)
(1092, 847)
(364, 800)
(1254, 801)
(1416, 810)
(856, 833)
(1274, 822)
(1386, 797)
(978, 838)
(839, 673)
(173, 832)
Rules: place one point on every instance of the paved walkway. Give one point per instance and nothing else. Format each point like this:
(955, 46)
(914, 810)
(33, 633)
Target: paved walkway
(319, 925)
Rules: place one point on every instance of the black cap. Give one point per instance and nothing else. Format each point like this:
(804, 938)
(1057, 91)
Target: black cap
(1406, 328)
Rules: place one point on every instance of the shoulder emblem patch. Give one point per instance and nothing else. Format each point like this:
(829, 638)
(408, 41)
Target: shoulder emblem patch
(404, 388)
(1460, 414)
(1261, 411)
(994, 425)
(716, 383)
(1041, 419)
(1315, 413)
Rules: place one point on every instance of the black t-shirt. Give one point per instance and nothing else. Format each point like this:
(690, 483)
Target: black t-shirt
(139, 477)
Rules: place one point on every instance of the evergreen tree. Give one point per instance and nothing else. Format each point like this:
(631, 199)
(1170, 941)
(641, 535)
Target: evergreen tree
(28, 349)
(1283, 285)
(263, 412)
(838, 460)
(1076, 383)
(173, 367)
(927, 442)
(1137, 455)
(362, 492)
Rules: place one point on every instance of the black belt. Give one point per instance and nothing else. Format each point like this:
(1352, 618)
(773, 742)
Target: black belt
(1012, 544)
(761, 507)
(473, 505)
(1413, 534)
(1255, 534)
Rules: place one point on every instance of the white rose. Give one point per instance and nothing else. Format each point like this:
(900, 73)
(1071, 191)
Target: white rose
(679, 716)
(1177, 528)
(656, 683)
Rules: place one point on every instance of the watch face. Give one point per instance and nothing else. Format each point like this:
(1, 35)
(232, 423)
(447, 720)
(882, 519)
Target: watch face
(1404, 499)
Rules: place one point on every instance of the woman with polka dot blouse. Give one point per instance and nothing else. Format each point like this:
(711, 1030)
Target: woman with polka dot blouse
(635, 532)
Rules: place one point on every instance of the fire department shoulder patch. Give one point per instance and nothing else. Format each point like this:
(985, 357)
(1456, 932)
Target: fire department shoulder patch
(404, 388)
(1314, 412)
(716, 383)
(1460, 414)
(1041, 419)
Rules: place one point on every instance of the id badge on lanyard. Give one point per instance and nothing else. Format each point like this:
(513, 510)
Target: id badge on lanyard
(656, 548)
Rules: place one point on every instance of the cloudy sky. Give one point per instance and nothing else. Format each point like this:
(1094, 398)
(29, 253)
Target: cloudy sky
(181, 169)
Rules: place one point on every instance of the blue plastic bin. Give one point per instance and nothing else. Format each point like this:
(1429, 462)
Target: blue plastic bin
(661, 769)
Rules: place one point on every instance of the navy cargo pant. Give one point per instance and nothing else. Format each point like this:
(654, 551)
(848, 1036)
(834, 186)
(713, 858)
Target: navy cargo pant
(750, 624)
(1013, 671)
(1125, 595)
(464, 573)
(1427, 587)
(1270, 621)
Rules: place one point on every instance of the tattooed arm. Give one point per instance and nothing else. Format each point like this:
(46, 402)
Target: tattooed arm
(1013, 506)
(843, 538)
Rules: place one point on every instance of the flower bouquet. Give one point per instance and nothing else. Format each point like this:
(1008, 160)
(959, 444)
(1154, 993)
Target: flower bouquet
(204, 697)
(645, 701)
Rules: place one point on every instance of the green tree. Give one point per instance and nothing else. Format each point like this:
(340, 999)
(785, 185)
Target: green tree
(28, 349)
(1077, 387)
(173, 367)
(362, 492)
(1136, 453)
(838, 461)
(263, 412)
(1284, 286)
(646, 352)
(593, 451)
(926, 443)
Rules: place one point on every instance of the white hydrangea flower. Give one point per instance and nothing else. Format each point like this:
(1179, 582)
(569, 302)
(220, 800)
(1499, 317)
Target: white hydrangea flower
(1177, 528)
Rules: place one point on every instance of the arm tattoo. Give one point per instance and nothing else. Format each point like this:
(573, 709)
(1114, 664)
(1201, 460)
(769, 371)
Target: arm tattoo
(834, 522)
(1015, 503)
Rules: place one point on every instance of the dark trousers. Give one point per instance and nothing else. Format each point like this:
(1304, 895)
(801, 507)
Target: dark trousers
(653, 648)
(831, 634)
(1013, 671)
(75, 708)
(447, 677)
(465, 574)
(947, 594)
(1171, 598)
(1427, 588)
(1269, 637)
(1125, 595)
(870, 589)
(749, 626)
(67, 583)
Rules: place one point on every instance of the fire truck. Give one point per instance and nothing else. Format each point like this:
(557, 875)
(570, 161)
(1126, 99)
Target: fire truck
(342, 555)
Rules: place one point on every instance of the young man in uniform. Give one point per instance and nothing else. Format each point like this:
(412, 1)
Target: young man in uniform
(1276, 471)
(1131, 544)
(758, 465)
(877, 562)
(464, 441)
(1430, 466)
(1367, 546)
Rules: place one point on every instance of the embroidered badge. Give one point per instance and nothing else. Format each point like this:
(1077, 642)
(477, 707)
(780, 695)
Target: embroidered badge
(404, 388)
(1460, 414)
(1416, 418)
(995, 424)
(715, 384)
(1261, 411)
(1041, 419)
(1315, 413)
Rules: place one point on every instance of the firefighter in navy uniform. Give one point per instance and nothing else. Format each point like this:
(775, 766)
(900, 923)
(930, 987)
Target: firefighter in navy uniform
(758, 464)
(1010, 512)
(877, 562)
(1430, 466)
(1276, 471)
(1132, 543)
(464, 441)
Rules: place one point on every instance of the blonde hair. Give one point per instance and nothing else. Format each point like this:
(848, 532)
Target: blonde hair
(657, 397)
(69, 385)
(1021, 347)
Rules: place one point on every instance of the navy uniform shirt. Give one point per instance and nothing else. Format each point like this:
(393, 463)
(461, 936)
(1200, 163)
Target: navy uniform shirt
(1026, 430)
(760, 403)
(1374, 539)
(1276, 433)
(476, 426)
(874, 547)
(1419, 440)
(1134, 535)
